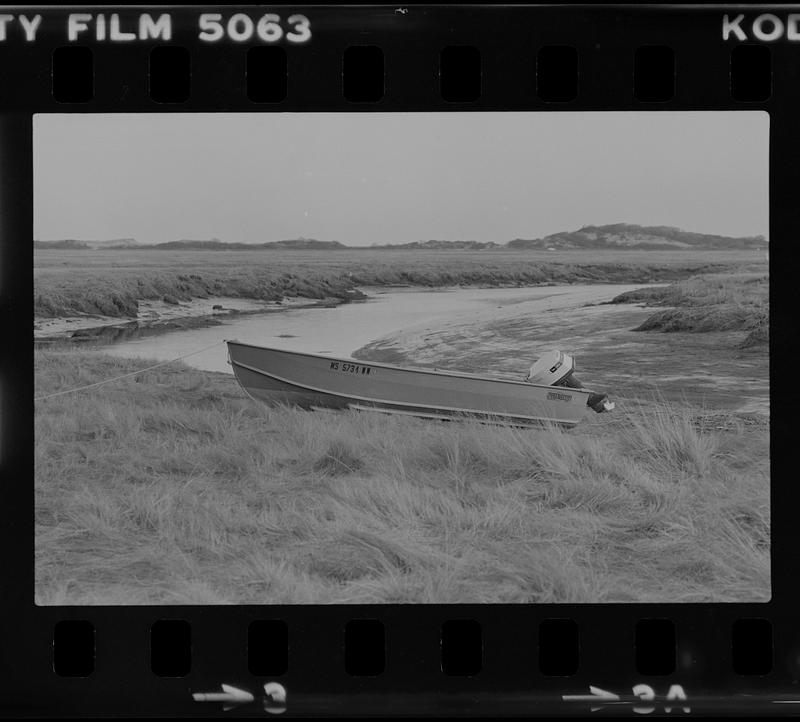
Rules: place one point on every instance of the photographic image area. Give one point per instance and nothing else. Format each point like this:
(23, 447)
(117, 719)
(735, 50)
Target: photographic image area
(401, 358)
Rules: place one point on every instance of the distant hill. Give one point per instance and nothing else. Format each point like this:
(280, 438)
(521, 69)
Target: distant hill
(86, 245)
(303, 243)
(192, 245)
(617, 236)
(69, 244)
(438, 245)
(628, 236)
(115, 243)
(217, 245)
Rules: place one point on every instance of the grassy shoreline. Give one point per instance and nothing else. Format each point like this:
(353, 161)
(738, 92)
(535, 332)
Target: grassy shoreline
(714, 302)
(112, 284)
(173, 487)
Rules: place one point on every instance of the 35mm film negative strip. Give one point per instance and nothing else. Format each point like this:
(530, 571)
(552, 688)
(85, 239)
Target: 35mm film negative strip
(399, 360)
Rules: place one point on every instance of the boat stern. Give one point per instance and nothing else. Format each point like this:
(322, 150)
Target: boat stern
(555, 368)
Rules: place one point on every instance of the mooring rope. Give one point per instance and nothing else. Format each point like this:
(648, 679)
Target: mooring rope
(125, 376)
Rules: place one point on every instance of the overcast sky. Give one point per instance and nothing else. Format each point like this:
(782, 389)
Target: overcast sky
(366, 178)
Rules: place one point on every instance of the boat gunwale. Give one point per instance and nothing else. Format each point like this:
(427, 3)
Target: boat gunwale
(375, 400)
(412, 369)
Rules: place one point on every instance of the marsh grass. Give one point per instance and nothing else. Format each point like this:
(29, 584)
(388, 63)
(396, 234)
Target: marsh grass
(173, 487)
(111, 283)
(712, 302)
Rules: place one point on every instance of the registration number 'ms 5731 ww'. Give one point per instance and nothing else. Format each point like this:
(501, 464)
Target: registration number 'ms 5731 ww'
(349, 368)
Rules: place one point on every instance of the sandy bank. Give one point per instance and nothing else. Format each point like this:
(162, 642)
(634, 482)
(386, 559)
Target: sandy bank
(153, 313)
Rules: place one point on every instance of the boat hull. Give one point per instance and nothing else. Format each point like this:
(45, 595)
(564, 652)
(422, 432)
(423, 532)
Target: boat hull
(276, 376)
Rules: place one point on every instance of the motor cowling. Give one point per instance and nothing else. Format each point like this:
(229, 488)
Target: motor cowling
(553, 368)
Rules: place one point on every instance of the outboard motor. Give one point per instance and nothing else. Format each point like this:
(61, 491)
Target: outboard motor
(555, 368)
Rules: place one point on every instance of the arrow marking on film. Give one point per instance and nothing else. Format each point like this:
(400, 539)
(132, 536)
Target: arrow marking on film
(597, 695)
(231, 695)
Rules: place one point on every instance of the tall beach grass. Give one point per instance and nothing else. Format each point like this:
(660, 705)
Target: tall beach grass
(173, 487)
